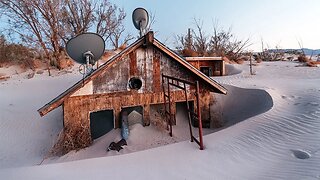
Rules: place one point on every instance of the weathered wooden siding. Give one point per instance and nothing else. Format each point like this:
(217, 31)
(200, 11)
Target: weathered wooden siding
(114, 80)
(145, 68)
(85, 90)
(77, 109)
(145, 63)
(110, 91)
(217, 66)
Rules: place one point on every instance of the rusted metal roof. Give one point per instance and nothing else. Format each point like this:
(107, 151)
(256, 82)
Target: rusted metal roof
(145, 40)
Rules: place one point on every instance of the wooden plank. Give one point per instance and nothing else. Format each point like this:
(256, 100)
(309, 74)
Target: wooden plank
(156, 72)
(146, 114)
(204, 58)
(133, 64)
(149, 38)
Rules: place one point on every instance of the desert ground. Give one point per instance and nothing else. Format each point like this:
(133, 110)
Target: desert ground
(272, 131)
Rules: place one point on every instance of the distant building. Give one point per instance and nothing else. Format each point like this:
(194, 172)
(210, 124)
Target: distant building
(210, 66)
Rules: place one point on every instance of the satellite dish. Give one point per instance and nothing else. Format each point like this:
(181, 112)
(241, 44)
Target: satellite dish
(86, 48)
(140, 19)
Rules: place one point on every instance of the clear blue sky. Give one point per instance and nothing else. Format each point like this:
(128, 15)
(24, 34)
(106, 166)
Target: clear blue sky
(279, 22)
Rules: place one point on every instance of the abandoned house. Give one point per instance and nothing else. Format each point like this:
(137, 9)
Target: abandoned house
(210, 66)
(135, 79)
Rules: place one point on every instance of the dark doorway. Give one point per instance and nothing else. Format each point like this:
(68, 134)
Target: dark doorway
(217, 67)
(135, 114)
(101, 123)
(206, 70)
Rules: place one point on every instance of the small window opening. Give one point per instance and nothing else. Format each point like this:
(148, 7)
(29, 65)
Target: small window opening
(135, 83)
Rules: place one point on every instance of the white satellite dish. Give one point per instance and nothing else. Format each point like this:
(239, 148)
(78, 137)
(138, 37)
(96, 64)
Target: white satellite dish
(86, 49)
(140, 20)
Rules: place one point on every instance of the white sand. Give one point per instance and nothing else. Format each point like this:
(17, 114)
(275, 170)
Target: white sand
(271, 128)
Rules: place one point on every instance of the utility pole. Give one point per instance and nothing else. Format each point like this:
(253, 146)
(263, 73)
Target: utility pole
(251, 63)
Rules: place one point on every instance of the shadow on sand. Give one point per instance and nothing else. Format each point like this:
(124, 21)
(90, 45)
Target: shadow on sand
(240, 104)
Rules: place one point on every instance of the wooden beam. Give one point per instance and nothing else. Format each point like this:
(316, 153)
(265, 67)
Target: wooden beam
(149, 38)
(133, 64)
(204, 58)
(156, 72)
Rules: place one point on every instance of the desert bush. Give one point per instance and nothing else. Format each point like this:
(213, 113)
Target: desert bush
(221, 42)
(303, 58)
(158, 118)
(189, 53)
(258, 60)
(313, 63)
(49, 24)
(71, 139)
(15, 53)
(239, 61)
(269, 55)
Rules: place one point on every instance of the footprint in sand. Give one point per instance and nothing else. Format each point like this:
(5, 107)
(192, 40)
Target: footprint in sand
(315, 104)
(300, 154)
(290, 97)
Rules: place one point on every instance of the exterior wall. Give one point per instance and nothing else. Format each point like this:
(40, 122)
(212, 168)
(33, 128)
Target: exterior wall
(110, 90)
(213, 64)
(85, 90)
(114, 80)
(77, 109)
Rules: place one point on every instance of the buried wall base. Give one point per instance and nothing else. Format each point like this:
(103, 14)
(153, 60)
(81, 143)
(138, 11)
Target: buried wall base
(77, 109)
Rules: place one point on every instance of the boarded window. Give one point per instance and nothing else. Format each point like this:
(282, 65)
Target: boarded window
(101, 123)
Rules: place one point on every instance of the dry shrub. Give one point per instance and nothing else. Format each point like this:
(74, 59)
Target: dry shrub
(122, 47)
(239, 61)
(226, 60)
(313, 63)
(3, 77)
(37, 63)
(303, 58)
(71, 139)
(158, 119)
(258, 60)
(65, 63)
(189, 53)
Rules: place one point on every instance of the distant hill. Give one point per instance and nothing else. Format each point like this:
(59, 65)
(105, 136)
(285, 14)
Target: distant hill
(306, 51)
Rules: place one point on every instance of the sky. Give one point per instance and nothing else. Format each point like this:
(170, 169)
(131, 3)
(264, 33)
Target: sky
(279, 23)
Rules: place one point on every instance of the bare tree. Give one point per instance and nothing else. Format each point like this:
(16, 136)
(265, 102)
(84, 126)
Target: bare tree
(201, 39)
(76, 18)
(50, 23)
(219, 43)
(35, 21)
(117, 34)
(224, 43)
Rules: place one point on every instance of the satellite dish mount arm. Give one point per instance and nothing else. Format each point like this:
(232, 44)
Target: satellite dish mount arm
(141, 29)
(89, 57)
(89, 61)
